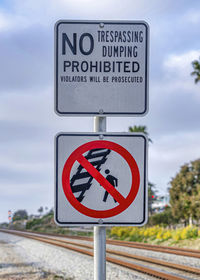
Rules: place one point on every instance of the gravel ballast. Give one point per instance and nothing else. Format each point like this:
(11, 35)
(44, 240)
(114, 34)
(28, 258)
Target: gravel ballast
(13, 266)
(29, 259)
(183, 260)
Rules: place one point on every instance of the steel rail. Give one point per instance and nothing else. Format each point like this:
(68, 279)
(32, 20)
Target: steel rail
(170, 250)
(163, 249)
(68, 245)
(137, 257)
(156, 248)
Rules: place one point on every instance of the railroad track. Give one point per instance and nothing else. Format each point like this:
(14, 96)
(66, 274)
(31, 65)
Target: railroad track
(124, 259)
(157, 248)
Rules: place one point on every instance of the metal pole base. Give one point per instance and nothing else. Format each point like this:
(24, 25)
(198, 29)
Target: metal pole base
(100, 231)
(99, 253)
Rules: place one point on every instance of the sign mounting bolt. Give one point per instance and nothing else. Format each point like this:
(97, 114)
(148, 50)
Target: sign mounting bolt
(101, 136)
(101, 25)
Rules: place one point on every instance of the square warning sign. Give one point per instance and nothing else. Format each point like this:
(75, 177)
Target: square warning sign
(101, 67)
(100, 179)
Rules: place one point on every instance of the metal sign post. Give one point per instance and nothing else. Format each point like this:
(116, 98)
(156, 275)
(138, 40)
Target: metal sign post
(101, 69)
(99, 253)
(99, 231)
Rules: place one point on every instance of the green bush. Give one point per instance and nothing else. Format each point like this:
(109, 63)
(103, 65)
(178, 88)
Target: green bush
(33, 223)
(165, 218)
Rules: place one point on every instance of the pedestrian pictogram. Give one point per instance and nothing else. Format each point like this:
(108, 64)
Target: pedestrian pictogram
(100, 180)
(113, 181)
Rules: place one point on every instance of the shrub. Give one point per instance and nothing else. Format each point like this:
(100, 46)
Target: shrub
(165, 218)
(154, 233)
(189, 232)
(32, 223)
(167, 235)
(177, 235)
(136, 234)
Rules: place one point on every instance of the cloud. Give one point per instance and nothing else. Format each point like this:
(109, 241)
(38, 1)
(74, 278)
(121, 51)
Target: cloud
(27, 34)
(27, 118)
(27, 59)
(176, 75)
(26, 111)
(174, 97)
(177, 70)
(168, 153)
(192, 17)
(25, 196)
(23, 14)
(4, 21)
(178, 66)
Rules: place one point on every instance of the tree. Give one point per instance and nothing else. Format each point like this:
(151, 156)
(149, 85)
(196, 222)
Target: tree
(151, 187)
(40, 210)
(196, 72)
(185, 192)
(140, 128)
(20, 215)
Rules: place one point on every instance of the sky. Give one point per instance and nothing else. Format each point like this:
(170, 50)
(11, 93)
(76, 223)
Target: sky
(28, 122)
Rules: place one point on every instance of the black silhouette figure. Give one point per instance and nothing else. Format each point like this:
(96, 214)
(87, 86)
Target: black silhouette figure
(113, 181)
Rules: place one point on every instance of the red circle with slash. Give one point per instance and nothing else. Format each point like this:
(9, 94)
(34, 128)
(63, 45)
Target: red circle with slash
(77, 155)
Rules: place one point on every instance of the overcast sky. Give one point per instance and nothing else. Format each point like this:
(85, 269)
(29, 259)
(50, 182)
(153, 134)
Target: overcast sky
(27, 118)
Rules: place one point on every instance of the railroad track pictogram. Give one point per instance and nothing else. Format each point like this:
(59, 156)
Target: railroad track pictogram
(97, 157)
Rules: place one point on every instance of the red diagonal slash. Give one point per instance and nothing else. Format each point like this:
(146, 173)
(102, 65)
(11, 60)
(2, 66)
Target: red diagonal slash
(100, 179)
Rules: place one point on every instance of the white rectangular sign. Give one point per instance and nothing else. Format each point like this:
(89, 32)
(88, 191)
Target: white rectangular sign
(100, 179)
(101, 67)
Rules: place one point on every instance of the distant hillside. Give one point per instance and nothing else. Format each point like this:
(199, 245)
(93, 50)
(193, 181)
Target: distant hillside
(46, 224)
